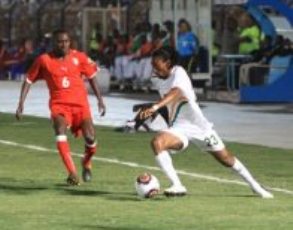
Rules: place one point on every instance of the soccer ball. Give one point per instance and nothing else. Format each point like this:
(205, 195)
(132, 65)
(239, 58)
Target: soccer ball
(147, 185)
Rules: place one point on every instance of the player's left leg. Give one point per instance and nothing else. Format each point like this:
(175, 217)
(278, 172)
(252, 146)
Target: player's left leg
(88, 131)
(227, 159)
(215, 146)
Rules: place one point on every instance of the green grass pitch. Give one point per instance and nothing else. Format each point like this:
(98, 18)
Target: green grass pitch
(33, 194)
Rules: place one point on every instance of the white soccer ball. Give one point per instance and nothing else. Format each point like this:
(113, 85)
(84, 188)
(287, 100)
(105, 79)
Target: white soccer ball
(147, 185)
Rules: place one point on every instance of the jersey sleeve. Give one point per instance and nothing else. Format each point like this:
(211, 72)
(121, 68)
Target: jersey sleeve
(34, 73)
(88, 67)
(181, 79)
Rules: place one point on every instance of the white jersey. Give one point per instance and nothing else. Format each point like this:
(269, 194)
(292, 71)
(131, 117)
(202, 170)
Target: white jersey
(184, 111)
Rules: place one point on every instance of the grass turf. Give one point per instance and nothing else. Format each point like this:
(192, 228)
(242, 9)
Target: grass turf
(33, 194)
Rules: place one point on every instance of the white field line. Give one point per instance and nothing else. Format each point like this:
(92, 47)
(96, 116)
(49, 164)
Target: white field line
(136, 165)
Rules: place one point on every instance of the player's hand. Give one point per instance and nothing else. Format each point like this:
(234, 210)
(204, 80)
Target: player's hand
(19, 111)
(146, 113)
(102, 108)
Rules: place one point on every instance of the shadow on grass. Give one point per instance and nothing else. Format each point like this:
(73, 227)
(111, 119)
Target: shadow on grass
(11, 185)
(20, 189)
(25, 187)
(111, 227)
(133, 197)
(84, 192)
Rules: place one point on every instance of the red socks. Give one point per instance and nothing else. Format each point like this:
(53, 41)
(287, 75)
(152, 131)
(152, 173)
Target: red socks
(90, 150)
(64, 151)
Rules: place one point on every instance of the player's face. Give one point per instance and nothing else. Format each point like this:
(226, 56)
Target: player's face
(62, 44)
(161, 68)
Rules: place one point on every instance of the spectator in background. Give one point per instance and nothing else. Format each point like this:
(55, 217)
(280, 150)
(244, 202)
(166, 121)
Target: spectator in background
(3, 57)
(120, 59)
(254, 72)
(157, 39)
(187, 45)
(133, 55)
(108, 53)
(169, 39)
(144, 70)
(44, 45)
(147, 30)
(249, 36)
(21, 59)
(95, 41)
(155, 31)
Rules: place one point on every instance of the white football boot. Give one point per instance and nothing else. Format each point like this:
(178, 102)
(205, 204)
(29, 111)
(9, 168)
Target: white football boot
(176, 190)
(262, 192)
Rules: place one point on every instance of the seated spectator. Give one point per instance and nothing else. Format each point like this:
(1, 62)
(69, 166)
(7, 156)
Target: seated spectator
(144, 68)
(132, 62)
(254, 73)
(120, 59)
(95, 41)
(249, 36)
(108, 53)
(187, 45)
(169, 39)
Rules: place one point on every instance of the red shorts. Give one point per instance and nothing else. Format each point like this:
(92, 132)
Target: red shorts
(74, 115)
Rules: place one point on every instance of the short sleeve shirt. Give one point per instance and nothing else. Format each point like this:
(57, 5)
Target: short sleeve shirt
(185, 109)
(64, 77)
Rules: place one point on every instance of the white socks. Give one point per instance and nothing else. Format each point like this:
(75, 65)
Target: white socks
(245, 174)
(165, 162)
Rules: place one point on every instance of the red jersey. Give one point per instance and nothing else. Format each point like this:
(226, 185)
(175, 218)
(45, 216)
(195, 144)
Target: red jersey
(64, 76)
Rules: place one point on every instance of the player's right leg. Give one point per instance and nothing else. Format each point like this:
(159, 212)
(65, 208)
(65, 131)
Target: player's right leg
(60, 126)
(161, 143)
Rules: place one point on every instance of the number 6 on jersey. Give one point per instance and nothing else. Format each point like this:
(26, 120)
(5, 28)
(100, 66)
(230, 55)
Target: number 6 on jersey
(65, 82)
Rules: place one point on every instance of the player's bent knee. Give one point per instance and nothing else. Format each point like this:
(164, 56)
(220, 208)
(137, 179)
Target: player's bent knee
(157, 144)
(89, 136)
(90, 140)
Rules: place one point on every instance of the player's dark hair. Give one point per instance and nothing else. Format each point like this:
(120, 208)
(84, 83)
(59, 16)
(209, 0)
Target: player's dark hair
(56, 32)
(184, 21)
(166, 54)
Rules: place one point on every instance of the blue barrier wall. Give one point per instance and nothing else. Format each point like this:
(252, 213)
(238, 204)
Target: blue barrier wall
(282, 89)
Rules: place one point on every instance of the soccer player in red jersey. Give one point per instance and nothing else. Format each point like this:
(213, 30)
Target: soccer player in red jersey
(64, 69)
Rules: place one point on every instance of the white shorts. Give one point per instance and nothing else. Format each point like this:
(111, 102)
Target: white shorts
(206, 140)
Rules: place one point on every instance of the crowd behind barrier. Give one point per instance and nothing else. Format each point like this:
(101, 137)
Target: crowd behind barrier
(128, 56)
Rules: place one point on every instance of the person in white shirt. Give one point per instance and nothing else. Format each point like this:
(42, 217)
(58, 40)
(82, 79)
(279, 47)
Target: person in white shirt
(187, 123)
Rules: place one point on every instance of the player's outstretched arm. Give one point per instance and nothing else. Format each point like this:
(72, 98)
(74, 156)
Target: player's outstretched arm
(96, 88)
(172, 95)
(23, 93)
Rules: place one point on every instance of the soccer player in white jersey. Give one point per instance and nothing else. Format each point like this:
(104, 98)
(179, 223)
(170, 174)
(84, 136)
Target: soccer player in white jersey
(187, 123)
